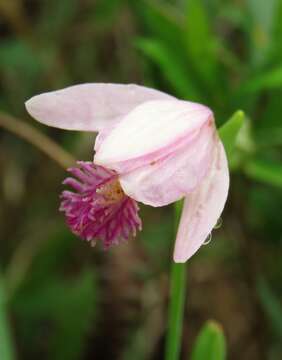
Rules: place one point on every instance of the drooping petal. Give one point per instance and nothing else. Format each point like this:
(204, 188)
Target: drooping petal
(202, 208)
(172, 177)
(89, 107)
(151, 131)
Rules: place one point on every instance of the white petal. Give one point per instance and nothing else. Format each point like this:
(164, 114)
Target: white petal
(150, 130)
(169, 179)
(202, 208)
(89, 107)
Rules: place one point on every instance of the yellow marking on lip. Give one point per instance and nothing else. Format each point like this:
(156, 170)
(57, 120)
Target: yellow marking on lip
(111, 192)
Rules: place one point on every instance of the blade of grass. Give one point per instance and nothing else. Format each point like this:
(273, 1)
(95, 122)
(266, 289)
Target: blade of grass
(229, 131)
(210, 343)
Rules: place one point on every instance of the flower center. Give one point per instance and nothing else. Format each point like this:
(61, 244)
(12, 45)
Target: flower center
(111, 192)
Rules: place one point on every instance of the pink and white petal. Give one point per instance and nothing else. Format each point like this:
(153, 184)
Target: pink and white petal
(202, 208)
(151, 131)
(89, 107)
(101, 136)
(172, 177)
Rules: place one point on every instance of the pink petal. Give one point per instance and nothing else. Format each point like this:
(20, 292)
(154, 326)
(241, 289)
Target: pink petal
(202, 208)
(149, 132)
(89, 107)
(174, 176)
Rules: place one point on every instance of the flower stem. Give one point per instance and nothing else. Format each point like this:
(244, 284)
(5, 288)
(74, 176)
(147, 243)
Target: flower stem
(176, 304)
(176, 310)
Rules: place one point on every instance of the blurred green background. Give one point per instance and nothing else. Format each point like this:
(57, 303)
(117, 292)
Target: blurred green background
(62, 299)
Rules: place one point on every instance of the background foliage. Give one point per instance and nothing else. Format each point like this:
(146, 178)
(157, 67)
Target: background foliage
(61, 299)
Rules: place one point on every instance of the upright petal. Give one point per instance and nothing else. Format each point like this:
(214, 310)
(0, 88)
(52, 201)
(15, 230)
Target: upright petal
(202, 208)
(151, 131)
(174, 176)
(89, 107)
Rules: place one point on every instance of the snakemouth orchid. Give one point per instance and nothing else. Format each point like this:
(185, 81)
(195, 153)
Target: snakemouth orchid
(151, 148)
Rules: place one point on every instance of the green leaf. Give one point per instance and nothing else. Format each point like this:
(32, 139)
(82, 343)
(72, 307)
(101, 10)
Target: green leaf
(172, 67)
(200, 41)
(229, 131)
(263, 13)
(162, 21)
(6, 347)
(268, 80)
(268, 172)
(210, 343)
(262, 20)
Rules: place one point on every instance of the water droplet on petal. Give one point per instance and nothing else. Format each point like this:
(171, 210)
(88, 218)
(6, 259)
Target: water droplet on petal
(208, 239)
(218, 223)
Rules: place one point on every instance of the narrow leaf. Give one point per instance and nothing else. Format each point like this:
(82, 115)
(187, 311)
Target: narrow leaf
(268, 80)
(161, 20)
(261, 21)
(228, 132)
(172, 68)
(210, 343)
(265, 171)
(200, 41)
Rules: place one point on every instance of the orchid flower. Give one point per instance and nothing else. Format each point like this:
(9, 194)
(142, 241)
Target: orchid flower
(151, 148)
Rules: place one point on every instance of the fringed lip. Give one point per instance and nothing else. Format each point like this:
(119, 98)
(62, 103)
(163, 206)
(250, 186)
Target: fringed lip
(98, 209)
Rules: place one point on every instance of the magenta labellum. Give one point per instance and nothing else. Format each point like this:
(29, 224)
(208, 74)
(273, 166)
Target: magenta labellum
(99, 209)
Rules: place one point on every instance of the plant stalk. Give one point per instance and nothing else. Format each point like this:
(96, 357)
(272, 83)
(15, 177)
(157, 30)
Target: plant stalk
(176, 303)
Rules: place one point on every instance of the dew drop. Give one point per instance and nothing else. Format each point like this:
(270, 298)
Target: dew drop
(218, 223)
(208, 239)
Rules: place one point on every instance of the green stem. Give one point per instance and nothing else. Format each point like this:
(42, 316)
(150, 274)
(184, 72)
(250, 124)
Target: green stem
(6, 344)
(176, 310)
(176, 304)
